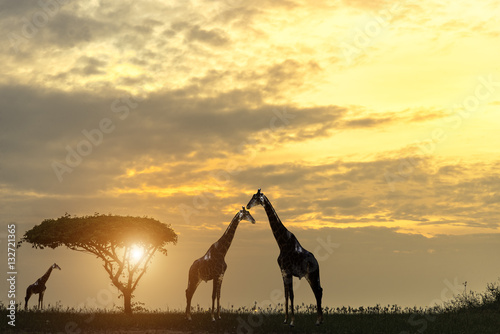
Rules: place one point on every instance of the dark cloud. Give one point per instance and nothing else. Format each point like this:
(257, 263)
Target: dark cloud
(42, 25)
(167, 126)
(180, 133)
(409, 116)
(359, 190)
(195, 33)
(214, 37)
(18, 8)
(68, 30)
(367, 122)
(89, 66)
(238, 17)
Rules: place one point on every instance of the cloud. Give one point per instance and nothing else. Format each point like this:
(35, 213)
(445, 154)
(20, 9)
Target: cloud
(17, 8)
(46, 126)
(213, 37)
(357, 192)
(367, 122)
(177, 139)
(361, 118)
(89, 66)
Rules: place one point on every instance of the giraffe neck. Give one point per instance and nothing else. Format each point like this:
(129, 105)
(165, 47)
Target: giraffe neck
(45, 277)
(224, 242)
(281, 234)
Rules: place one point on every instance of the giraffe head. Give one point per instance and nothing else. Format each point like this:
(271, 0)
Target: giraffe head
(245, 215)
(55, 266)
(257, 198)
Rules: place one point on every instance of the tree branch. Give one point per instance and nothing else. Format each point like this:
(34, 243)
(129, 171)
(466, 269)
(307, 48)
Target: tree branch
(149, 257)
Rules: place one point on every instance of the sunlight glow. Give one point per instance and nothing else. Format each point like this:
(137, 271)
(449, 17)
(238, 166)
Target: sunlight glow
(136, 253)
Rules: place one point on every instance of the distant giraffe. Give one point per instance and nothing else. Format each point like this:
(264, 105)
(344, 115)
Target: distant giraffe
(212, 266)
(293, 259)
(39, 287)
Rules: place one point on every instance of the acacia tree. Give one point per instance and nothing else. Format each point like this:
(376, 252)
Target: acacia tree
(110, 238)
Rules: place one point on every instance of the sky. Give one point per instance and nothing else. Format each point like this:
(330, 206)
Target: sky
(371, 126)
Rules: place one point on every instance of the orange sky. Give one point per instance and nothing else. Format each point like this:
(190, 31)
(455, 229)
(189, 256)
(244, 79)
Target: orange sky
(361, 121)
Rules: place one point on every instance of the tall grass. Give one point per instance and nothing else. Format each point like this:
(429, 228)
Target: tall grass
(466, 313)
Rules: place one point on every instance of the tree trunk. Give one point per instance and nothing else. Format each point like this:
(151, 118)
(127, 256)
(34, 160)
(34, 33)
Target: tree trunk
(127, 300)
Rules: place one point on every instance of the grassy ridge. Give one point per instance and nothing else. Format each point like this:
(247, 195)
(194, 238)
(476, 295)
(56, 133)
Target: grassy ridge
(484, 321)
(471, 313)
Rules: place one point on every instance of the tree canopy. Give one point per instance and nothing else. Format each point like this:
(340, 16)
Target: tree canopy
(112, 239)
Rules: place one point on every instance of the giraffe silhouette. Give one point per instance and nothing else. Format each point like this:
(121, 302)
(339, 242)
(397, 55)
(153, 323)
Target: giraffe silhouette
(293, 259)
(39, 287)
(212, 266)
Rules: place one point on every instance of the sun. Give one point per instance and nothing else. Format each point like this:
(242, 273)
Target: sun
(136, 253)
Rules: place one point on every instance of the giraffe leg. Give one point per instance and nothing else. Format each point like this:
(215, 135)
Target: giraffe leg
(314, 282)
(27, 298)
(192, 285)
(40, 300)
(290, 294)
(288, 283)
(219, 287)
(214, 294)
(319, 294)
(286, 301)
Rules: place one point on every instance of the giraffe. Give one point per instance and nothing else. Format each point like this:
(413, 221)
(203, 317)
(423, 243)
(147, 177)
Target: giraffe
(293, 259)
(212, 266)
(39, 287)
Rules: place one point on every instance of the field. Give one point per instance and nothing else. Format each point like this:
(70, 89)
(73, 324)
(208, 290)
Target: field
(53, 321)
(471, 313)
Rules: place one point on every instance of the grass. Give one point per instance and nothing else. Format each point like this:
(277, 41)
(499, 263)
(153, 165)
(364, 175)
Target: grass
(466, 313)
